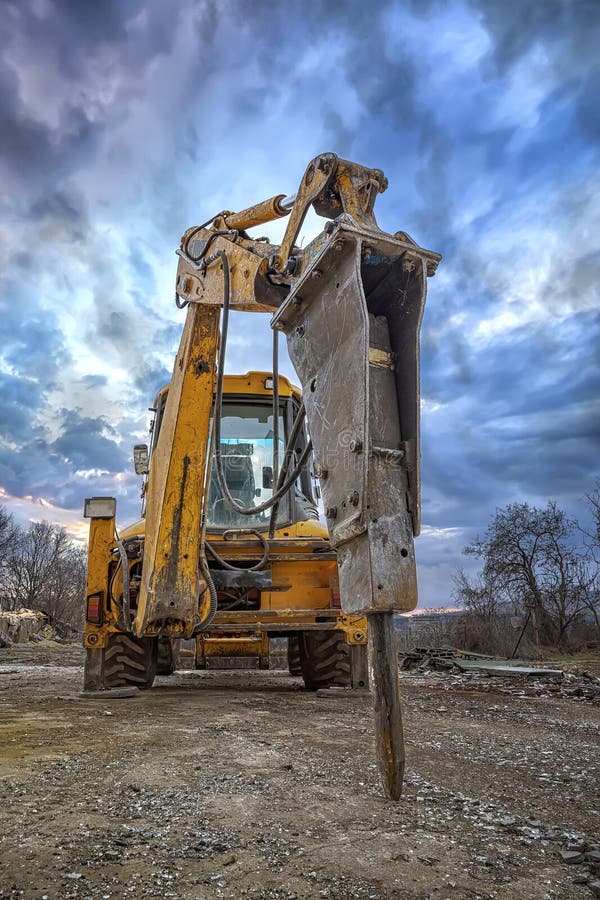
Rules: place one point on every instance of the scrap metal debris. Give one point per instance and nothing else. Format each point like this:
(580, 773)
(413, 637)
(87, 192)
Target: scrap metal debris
(509, 676)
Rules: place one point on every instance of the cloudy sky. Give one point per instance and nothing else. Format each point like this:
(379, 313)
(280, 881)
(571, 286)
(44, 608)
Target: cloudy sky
(123, 123)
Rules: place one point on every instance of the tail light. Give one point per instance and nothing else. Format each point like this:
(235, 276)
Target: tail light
(93, 609)
(334, 591)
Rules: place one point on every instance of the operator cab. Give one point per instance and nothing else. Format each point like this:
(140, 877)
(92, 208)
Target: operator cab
(247, 437)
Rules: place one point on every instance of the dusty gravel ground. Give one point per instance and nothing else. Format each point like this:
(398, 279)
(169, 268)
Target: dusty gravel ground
(223, 784)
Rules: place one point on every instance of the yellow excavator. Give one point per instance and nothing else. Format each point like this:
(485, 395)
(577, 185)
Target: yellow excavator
(230, 550)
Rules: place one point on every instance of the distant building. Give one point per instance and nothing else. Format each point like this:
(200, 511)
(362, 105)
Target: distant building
(436, 621)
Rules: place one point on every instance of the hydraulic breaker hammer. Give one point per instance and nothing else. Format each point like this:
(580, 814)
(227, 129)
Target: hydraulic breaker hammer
(352, 323)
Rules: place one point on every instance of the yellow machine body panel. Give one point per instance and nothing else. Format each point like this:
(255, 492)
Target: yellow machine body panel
(303, 566)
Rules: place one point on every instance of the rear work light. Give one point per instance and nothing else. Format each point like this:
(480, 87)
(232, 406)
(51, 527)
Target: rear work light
(93, 609)
(99, 508)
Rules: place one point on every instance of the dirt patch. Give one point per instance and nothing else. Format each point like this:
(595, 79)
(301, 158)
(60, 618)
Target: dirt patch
(225, 784)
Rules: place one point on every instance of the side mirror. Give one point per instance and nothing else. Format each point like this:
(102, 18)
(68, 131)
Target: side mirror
(267, 476)
(141, 459)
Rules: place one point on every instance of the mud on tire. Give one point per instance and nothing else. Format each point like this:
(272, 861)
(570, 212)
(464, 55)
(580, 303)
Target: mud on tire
(130, 661)
(293, 655)
(324, 659)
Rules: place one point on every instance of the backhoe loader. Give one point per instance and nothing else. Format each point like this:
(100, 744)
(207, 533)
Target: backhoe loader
(230, 550)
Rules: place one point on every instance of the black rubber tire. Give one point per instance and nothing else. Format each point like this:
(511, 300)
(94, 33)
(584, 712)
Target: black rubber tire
(293, 655)
(324, 659)
(167, 656)
(129, 661)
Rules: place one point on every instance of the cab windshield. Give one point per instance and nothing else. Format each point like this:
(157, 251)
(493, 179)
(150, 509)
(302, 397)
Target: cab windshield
(247, 454)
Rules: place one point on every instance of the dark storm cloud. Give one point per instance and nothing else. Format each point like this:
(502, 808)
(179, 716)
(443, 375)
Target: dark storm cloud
(62, 215)
(150, 378)
(567, 30)
(31, 343)
(514, 372)
(569, 34)
(75, 31)
(48, 468)
(67, 39)
(19, 400)
(87, 443)
(76, 28)
(32, 151)
(527, 426)
(91, 382)
(127, 122)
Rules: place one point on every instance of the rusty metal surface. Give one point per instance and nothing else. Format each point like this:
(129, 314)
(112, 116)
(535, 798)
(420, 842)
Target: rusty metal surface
(248, 261)
(383, 672)
(170, 586)
(93, 672)
(259, 214)
(225, 579)
(283, 625)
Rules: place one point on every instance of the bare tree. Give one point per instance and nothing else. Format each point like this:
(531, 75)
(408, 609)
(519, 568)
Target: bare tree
(8, 536)
(591, 598)
(46, 571)
(533, 566)
(486, 626)
(477, 596)
(65, 588)
(593, 499)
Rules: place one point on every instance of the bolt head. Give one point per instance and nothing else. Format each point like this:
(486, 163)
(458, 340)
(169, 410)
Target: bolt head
(291, 266)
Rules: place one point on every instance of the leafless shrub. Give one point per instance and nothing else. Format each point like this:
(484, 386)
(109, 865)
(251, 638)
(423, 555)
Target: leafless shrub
(42, 569)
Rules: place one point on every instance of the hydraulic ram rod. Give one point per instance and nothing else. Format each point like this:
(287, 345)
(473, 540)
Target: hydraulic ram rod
(259, 214)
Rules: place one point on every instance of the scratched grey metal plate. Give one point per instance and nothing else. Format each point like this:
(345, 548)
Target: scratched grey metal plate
(363, 415)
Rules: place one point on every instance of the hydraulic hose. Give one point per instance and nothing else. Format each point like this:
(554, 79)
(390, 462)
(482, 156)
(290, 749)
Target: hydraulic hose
(126, 608)
(282, 485)
(259, 565)
(284, 488)
(275, 371)
(212, 590)
(202, 561)
(230, 233)
(285, 465)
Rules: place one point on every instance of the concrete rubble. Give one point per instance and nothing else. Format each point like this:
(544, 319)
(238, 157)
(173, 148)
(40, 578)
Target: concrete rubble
(20, 626)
